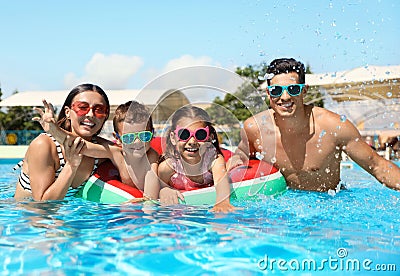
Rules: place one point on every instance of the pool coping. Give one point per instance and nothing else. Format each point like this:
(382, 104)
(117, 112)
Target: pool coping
(12, 152)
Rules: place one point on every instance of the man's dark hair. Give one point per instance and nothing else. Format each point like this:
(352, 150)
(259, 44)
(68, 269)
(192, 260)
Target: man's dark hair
(286, 65)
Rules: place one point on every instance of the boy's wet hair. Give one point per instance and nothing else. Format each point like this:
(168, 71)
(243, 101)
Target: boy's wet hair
(284, 66)
(132, 112)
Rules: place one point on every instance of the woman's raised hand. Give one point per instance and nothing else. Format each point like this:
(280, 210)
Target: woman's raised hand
(46, 117)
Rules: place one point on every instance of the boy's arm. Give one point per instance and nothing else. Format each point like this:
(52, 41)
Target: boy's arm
(102, 150)
(152, 183)
(49, 125)
(360, 152)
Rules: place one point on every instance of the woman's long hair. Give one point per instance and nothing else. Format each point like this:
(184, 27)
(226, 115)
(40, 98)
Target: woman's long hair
(62, 120)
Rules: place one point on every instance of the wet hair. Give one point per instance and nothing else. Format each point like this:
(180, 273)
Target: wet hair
(62, 120)
(287, 65)
(132, 112)
(196, 114)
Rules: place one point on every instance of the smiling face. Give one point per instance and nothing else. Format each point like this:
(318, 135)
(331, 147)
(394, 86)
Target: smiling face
(86, 125)
(286, 105)
(137, 148)
(189, 150)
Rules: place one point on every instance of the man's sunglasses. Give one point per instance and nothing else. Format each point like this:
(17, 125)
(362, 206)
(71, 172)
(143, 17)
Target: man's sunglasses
(200, 134)
(277, 90)
(129, 138)
(83, 108)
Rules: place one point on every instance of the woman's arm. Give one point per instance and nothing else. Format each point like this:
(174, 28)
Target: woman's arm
(42, 164)
(222, 186)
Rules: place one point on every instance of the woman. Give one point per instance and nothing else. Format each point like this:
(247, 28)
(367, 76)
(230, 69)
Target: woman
(51, 170)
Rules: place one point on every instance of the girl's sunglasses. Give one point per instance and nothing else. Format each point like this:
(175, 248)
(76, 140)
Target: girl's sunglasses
(277, 90)
(83, 108)
(129, 138)
(200, 134)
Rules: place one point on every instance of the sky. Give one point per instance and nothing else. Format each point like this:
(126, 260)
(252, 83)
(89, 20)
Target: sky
(125, 44)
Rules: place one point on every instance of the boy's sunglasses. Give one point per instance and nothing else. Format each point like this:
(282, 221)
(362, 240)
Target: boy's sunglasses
(129, 138)
(277, 90)
(83, 108)
(200, 134)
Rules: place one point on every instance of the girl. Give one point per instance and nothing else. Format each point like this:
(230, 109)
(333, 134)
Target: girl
(193, 159)
(49, 169)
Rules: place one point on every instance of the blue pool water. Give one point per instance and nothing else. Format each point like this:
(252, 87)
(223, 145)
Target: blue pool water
(353, 232)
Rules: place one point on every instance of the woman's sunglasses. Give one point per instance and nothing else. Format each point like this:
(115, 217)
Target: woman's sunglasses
(277, 90)
(83, 108)
(129, 138)
(200, 134)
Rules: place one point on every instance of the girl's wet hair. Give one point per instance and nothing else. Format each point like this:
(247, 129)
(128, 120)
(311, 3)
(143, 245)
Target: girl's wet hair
(196, 114)
(132, 112)
(286, 65)
(62, 120)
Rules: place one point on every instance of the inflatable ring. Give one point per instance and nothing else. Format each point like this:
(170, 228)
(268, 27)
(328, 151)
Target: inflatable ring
(249, 181)
(104, 187)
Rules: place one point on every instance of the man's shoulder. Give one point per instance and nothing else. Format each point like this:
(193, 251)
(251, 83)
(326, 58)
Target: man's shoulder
(263, 115)
(324, 114)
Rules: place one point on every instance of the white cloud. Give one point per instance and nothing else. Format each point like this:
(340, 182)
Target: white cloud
(201, 79)
(187, 60)
(110, 72)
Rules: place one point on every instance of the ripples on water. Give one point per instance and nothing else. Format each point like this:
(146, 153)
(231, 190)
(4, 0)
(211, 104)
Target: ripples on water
(80, 237)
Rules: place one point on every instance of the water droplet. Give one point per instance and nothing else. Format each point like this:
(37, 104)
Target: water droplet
(273, 160)
(389, 94)
(343, 118)
(323, 132)
(327, 170)
(320, 151)
(259, 156)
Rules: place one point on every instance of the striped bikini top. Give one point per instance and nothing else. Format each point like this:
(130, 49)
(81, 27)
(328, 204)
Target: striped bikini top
(23, 178)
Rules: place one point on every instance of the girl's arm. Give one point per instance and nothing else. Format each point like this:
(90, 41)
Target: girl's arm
(168, 195)
(222, 186)
(42, 171)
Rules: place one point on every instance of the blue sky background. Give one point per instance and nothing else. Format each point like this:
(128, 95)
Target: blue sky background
(54, 45)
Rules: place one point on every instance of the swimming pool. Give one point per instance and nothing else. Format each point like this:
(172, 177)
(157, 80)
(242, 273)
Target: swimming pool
(354, 231)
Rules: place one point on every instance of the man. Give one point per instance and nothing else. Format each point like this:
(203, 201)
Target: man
(308, 140)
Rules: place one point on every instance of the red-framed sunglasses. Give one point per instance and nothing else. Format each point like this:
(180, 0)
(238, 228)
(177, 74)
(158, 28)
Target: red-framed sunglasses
(83, 108)
(200, 134)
